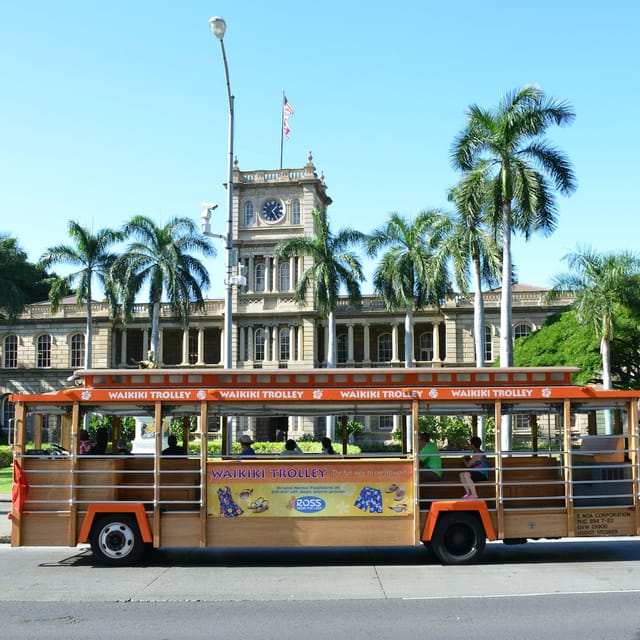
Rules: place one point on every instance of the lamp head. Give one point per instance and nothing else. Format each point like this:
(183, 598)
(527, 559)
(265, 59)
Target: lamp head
(218, 26)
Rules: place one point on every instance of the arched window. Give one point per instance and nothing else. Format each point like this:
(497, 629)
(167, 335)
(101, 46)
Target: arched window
(342, 346)
(43, 349)
(425, 347)
(285, 345)
(77, 350)
(521, 330)
(284, 276)
(7, 415)
(258, 349)
(295, 212)
(488, 343)
(384, 347)
(259, 277)
(10, 352)
(249, 217)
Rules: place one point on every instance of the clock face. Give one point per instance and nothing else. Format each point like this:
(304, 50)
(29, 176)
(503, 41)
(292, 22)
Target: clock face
(272, 211)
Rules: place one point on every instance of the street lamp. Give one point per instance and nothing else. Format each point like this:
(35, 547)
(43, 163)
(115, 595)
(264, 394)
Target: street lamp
(218, 27)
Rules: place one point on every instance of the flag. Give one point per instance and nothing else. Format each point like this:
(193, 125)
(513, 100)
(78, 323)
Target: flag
(287, 110)
(19, 490)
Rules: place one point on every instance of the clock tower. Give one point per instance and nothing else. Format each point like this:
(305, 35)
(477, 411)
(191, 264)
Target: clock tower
(269, 206)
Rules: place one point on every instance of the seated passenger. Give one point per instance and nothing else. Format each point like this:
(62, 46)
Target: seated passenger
(327, 447)
(291, 448)
(430, 461)
(86, 443)
(245, 443)
(173, 449)
(102, 439)
(479, 469)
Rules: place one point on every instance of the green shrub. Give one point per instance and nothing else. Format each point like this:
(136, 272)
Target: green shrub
(6, 457)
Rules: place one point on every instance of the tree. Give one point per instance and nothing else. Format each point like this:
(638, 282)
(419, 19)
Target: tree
(91, 253)
(471, 246)
(333, 266)
(604, 285)
(505, 147)
(409, 277)
(160, 257)
(21, 281)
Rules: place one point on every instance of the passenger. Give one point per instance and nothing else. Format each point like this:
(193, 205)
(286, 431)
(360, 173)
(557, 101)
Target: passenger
(86, 443)
(102, 438)
(327, 447)
(479, 469)
(246, 442)
(291, 448)
(122, 447)
(173, 449)
(430, 460)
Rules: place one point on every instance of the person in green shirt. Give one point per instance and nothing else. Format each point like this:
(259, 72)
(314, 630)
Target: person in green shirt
(430, 461)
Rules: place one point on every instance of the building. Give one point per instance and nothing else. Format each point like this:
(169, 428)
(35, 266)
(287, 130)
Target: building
(41, 351)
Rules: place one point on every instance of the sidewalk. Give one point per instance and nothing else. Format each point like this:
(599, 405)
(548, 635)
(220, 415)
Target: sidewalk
(5, 523)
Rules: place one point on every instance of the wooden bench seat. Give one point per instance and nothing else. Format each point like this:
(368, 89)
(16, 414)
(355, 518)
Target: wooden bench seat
(527, 481)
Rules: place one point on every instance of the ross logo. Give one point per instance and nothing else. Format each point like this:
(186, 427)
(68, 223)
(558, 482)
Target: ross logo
(309, 504)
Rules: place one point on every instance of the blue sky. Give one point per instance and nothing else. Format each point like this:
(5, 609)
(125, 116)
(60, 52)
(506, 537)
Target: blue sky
(112, 109)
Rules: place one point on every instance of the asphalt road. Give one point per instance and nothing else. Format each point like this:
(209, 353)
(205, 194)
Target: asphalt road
(586, 589)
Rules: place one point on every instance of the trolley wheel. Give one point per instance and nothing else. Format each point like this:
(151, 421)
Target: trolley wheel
(115, 540)
(459, 538)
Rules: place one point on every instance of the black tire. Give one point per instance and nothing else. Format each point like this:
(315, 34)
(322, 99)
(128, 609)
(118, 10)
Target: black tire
(459, 538)
(115, 540)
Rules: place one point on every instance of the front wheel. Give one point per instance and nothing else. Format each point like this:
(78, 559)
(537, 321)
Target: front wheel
(459, 538)
(116, 540)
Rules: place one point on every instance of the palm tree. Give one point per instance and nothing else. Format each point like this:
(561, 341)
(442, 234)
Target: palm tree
(333, 266)
(160, 257)
(603, 284)
(408, 276)
(91, 252)
(505, 147)
(472, 246)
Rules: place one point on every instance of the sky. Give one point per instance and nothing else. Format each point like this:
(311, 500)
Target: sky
(115, 109)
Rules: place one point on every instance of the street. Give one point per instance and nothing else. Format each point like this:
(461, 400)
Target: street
(577, 588)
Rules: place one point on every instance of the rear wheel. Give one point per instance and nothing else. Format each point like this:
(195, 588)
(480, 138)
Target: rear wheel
(116, 540)
(459, 538)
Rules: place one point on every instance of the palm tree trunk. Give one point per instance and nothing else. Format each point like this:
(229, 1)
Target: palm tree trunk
(506, 344)
(408, 338)
(605, 351)
(331, 346)
(155, 333)
(478, 313)
(88, 333)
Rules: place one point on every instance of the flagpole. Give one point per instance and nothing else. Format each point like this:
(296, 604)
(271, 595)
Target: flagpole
(281, 128)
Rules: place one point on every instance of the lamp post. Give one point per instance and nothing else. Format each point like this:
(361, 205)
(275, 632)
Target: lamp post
(218, 27)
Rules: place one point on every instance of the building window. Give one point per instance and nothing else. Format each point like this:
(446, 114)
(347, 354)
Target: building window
(43, 345)
(285, 345)
(258, 350)
(342, 346)
(284, 276)
(249, 217)
(385, 423)
(521, 331)
(295, 212)
(425, 347)
(8, 414)
(77, 350)
(10, 355)
(384, 348)
(259, 277)
(488, 344)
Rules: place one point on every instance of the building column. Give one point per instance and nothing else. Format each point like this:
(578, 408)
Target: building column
(267, 274)
(185, 347)
(200, 346)
(145, 344)
(292, 274)
(436, 342)
(221, 346)
(242, 331)
(394, 342)
(275, 344)
(251, 343)
(365, 338)
(123, 346)
(293, 356)
(350, 344)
